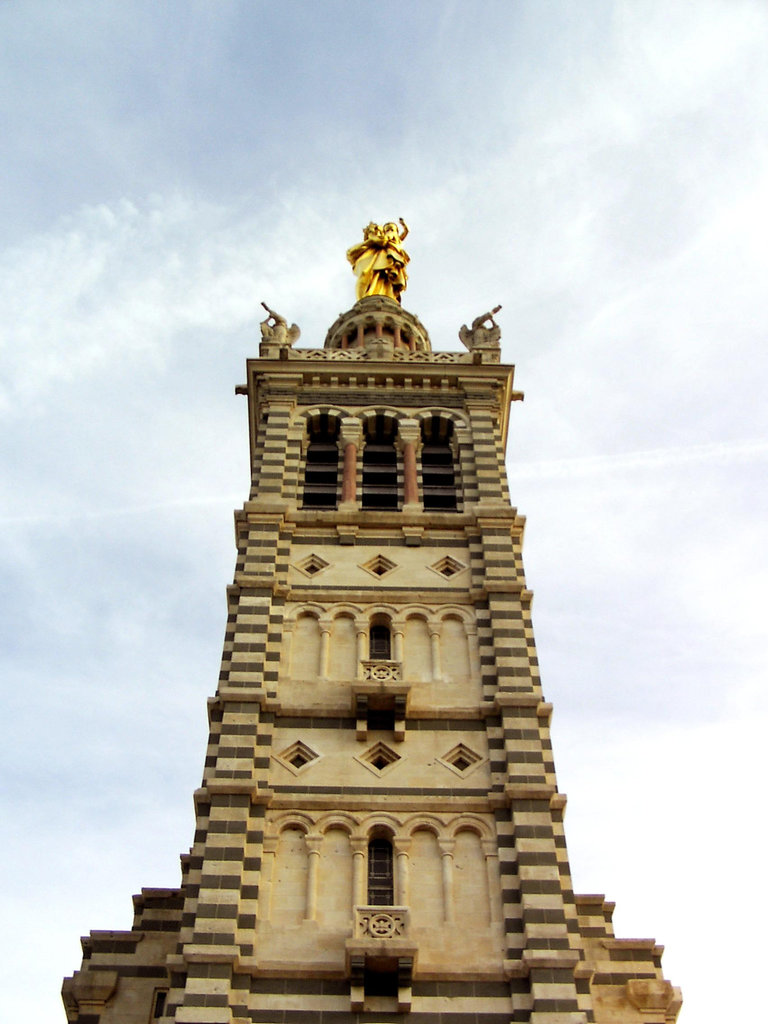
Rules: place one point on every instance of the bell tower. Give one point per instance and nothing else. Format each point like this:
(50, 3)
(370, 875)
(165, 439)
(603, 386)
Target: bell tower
(379, 829)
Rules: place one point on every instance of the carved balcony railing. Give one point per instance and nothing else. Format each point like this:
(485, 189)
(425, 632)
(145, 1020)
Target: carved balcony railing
(382, 671)
(382, 922)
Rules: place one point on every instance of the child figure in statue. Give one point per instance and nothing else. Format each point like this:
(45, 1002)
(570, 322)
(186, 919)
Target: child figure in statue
(379, 260)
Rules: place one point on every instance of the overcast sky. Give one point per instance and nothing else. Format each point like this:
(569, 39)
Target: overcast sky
(600, 169)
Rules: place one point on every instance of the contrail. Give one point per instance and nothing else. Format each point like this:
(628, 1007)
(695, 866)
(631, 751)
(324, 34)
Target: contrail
(724, 451)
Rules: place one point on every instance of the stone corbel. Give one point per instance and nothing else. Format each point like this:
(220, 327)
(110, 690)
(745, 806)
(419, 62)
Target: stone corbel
(88, 992)
(656, 999)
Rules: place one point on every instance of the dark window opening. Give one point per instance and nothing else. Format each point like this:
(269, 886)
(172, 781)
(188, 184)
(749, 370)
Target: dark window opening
(380, 982)
(381, 881)
(381, 719)
(322, 463)
(380, 464)
(379, 643)
(438, 476)
(158, 1008)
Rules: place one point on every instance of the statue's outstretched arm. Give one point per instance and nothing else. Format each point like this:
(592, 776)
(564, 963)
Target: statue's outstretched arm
(404, 232)
(275, 316)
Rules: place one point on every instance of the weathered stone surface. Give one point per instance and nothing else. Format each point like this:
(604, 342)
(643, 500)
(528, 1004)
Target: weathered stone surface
(379, 828)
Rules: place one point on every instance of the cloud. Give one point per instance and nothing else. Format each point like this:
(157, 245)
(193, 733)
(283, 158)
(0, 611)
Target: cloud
(602, 172)
(659, 458)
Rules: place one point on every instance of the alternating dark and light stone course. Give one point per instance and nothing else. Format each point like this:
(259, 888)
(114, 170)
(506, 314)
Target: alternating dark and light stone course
(379, 831)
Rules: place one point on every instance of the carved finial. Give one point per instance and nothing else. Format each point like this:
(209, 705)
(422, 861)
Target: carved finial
(379, 260)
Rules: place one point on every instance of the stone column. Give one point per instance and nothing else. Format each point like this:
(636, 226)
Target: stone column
(402, 849)
(494, 885)
(474, 652)
(409, 438)
(434, 645)
(362, 650)
(325, 648)
(313, 849)
(446, 852)
(350, 439)
(398, 631)
(359, 889)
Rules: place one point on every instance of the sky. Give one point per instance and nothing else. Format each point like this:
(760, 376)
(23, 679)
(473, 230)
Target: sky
(601, 170)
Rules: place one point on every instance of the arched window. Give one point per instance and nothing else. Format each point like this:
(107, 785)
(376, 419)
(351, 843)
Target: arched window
(438, 475)
(322, 464)
(381, 877)
(380, 464)
(380, 642)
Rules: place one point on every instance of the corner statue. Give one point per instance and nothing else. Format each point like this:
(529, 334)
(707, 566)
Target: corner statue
(479, 335)
(379, 261)
(275, 329)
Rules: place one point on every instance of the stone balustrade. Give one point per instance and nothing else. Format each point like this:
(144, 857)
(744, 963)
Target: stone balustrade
(382, 671)
(382, 922)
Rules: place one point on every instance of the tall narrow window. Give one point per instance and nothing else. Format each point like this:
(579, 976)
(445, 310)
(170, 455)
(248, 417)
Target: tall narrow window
(380, 464)
(381, 879)
(322, 464)
(379, 643)
(437, 467)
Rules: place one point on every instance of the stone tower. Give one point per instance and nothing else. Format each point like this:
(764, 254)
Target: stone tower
(379, 828)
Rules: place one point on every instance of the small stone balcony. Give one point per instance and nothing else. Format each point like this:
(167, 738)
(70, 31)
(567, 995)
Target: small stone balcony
(380, 698)
(381, 944)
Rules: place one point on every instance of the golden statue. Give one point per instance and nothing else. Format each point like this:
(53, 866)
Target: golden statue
(379, 260)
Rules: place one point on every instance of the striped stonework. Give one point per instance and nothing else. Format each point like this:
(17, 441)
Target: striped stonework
(379, 833)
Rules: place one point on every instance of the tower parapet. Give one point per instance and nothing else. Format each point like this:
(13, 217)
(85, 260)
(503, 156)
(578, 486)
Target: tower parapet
(378, 329)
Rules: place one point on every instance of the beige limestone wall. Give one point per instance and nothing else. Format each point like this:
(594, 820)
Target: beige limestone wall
(340, 759)
(446, 875)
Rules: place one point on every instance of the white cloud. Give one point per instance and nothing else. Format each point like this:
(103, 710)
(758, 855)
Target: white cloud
(603, 174)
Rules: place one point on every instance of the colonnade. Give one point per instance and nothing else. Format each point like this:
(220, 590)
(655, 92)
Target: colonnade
(436, 872)
(335, 646)
(351, 442)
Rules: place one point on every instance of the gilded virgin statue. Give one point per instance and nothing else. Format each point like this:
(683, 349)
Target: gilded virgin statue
(379, 260)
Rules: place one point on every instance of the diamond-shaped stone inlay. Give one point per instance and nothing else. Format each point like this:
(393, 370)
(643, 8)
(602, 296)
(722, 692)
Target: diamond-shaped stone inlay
(461, 758)
(379, 757)
(379, 566)
(298, 755)
(448, 567)
(312, 565)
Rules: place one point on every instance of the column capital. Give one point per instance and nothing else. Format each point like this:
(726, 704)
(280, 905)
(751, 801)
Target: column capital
(350, 431)
(313, 841)
(408, 432)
